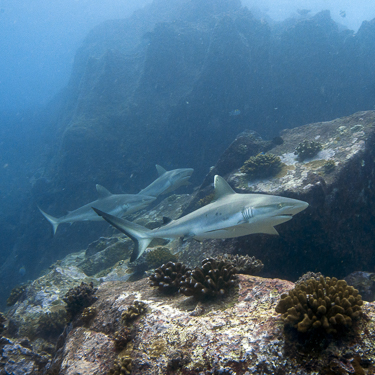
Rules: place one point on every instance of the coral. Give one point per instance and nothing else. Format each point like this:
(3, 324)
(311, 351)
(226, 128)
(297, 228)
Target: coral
(328, 305)
(244, 264)
(329, 166)
(306, 149)
(159, 256)
(122, 366)
(2, 321)
(167, 277)
(89, 313)
(307, 276)
(122, 337)
(213, 279)
(136, 309)
(78, 298)
(16, 294)
(262, 165)
(51, 324)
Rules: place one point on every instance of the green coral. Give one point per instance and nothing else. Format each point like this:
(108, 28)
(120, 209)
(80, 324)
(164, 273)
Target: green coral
(122, 337)
(306, 149)
(327, 305)
(262, 165)
(52, 323)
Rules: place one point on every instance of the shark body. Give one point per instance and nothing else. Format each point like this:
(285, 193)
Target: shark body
(115, 204)
(167, 181)
(229, 215)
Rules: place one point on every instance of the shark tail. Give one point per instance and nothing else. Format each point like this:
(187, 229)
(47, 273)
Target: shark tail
(53, 220)
(138, 233)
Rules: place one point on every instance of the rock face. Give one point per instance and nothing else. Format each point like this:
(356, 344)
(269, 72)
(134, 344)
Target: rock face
(241, 335)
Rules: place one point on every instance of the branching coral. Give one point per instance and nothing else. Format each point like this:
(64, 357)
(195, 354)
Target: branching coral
(213, 279)
(136, 309)
(243, 263)
(262, 165)
(325, 304)
(78, 298)
(306, 149)
(167, 277)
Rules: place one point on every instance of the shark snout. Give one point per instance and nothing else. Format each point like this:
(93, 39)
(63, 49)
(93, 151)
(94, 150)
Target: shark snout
(294, 206)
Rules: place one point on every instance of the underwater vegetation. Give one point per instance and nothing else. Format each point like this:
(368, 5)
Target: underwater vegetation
(136, 309)
(78, 298)
(214, 279)
(168, 277)
(122, 366)
(244, 264)
(16, 294)
(327, 305)
(306, 149)
(52, 323)
(262, 165)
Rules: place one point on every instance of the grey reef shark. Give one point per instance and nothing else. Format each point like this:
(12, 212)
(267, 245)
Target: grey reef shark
(229, 215)
(115, 204)
(167, 181)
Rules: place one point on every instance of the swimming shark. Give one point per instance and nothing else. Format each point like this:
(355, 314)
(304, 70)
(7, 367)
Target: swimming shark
(115, 204)
(167, 181)
(229, 215)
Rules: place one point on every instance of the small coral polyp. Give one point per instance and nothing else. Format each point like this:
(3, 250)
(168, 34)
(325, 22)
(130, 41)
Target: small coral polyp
(326, 304)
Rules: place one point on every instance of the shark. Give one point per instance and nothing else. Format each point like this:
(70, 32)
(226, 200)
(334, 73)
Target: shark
(115, 204)
(229, 215)
(167, 181)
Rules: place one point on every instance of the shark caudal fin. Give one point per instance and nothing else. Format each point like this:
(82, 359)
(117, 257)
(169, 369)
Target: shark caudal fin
(53, 220)
(136, 232)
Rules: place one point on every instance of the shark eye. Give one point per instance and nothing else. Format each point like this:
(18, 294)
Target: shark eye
(247, 213)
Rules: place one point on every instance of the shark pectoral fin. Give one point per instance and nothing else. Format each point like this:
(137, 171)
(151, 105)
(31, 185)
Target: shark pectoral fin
(160, 170)
(102, 191)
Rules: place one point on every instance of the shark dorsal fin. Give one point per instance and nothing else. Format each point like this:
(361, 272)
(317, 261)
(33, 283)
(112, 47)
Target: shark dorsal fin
(222, 188)
(102, 191)
(160, 169)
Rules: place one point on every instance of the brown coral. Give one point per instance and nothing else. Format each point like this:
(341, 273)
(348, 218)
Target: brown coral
(262, 165)
(122, 337)
(325, 304)
(167, 277)
(213, 279)
(244, 264)
(122, 366)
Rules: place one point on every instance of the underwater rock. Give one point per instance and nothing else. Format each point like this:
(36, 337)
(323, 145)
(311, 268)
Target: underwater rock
(244, 335)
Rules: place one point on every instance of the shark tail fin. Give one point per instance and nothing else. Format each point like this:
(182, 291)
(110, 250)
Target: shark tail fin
(137, 233)
(53, 220)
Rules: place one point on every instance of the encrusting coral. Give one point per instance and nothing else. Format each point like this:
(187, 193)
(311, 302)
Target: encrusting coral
(244, 264)
(262, 165)
(213, 279)
(327, 304)
(167, 277)
(133, 311)
(78, 298)
(306, 149)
